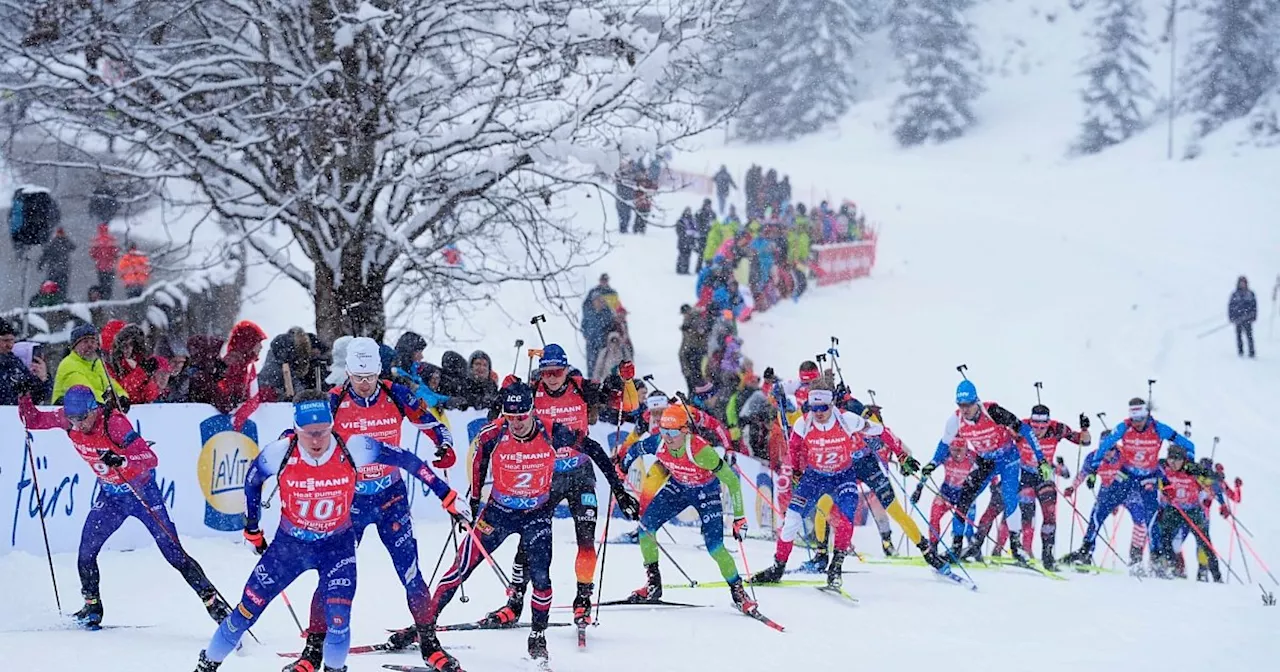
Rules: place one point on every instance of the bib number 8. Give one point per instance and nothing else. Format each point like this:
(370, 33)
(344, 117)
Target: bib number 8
(324, 509)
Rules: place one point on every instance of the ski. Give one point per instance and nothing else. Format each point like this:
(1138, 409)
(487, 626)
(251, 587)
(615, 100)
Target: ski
(755, 614)
(460, 627)
(725, 584)
(946, 572)
(1032, 566)
(801, 571)
(381, 647)
(540, 664)
(627, 602)
(836, 592)
(582, 635)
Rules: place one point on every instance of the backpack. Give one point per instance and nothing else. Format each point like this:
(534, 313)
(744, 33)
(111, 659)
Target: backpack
(33, 215)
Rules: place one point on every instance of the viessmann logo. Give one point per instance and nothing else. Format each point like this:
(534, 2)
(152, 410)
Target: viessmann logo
(365, 424)
(523, 457)
(312, 483)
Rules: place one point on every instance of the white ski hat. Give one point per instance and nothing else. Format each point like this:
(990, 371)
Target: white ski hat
(362, 356)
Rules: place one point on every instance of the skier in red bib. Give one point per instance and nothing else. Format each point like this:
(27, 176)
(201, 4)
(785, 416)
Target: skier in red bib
(318, 472)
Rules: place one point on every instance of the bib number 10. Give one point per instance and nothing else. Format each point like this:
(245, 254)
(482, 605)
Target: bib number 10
(319, 509)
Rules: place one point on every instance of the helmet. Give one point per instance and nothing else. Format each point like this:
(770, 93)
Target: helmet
(79, 401)
(966, 393)
(1041, 411)
(553, 356)
(656, 401)
(363, 357)
(675, 417)
(517, 398)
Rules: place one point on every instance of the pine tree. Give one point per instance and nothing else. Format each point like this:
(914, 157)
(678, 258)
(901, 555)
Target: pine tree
(798, 78)
(1119, 90)
(1233, 61)
(933, 42)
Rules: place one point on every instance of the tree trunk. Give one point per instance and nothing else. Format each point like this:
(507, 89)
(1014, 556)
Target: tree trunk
(354, 308)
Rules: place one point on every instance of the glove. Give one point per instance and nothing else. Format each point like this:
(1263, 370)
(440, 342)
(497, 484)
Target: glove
(445, 457)
(872, 412)
(1091, 480)
(1069, 491)
(474, 505)
(915, 496)
(123, 403)
(1084, 422)
(628, 505)
(1046, 471)
(1226, 512)
(149, 365)
(842, 392)
(769, 374)
(627, 369)
(909, 466)
(927, 470)
(739, 528)
(450, 505)
(111, 459)
(255, 538)
(509, 380)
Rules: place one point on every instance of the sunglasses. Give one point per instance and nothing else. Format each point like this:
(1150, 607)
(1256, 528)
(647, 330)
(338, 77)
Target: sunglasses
(819, 408)
(671, 433)
(364, 378)
(518, 417)
(555, 371)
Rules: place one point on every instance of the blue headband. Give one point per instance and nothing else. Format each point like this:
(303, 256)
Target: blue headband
(312, 413)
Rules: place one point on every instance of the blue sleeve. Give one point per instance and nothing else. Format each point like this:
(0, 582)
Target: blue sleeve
(1089, 466)
(365, 450)
(1030, 437)
(649, 446)
(940, 455)
(1169, 434)
(1106, 445)
(262, 469)
(419, 414)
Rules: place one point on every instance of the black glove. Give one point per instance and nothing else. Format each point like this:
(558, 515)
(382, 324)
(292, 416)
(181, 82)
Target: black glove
(909, 466)
(1084, 422)
(149, 365)
(122, 403)
(475, 509)
(915, 496)
(1090, 481)
(927, 470)
(842, 392)
(111, 459)
(769, 374)
(628, 505)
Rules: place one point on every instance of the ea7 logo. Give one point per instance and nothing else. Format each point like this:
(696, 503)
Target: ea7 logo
(339, 583)
(263, 576)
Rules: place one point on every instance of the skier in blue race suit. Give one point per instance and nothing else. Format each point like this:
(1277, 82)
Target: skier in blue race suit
(317, 472)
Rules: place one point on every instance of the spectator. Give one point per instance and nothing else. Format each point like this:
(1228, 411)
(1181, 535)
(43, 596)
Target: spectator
(624, 188)
(612, 354)
(1242, 310)
(50, 294)
(292, 361)
(105, 251)
(84, 366)
(784, 191)
(751, 185)
(135, 272)
(686, 238)
(694, 329)
(55, 260)
(482, 386)
(724, 184)
(455, 371)
(178, 389)
(338, 364)
(644, 193)
(149, 381)
(598, 319)
(206, 369)
(22, 371)
(244, 346)
(602, 288)
(125, 351)
(103, 204)
(720, 231)
(768, 190)
(702, 223)
(408, 367)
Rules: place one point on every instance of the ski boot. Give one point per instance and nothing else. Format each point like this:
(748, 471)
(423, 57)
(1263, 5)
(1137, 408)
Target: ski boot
(930, 556)
(91, 615)
(835, 571)
(741, 600)
(335, 669)
(651, 591)
(886, 543)
(816, 565)
(538, 645)
(1179, 566)
(771, 575)
(206, 665)
(216, 606)
(1080, 556)
(582, 604)
(1136, 567)
(402, 639)
(509, 614)
(973, 552)
(1049, 562)
(434, 655)
(311, 657)
(1015, 552)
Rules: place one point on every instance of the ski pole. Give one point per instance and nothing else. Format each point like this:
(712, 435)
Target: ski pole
(533, 352)
(44, 531)
(462, 587)
(266, 503)
(1039, 386)
(1150, 383)
(955, 560)
(1205, 538)
(173, 537)
(835, 357)
(537, 321)
(962, 368)
(516, 363)
(742, 550)
(1102, 417)
(451, 541)
(475, 541)
(294, 614)
(604, 555)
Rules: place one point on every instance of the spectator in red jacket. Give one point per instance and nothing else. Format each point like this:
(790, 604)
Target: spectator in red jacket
(244, 345)
(206, 370)
(127, 349)
(104, 251)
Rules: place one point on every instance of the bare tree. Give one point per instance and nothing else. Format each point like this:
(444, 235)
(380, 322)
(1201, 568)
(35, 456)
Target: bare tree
(384, 135)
